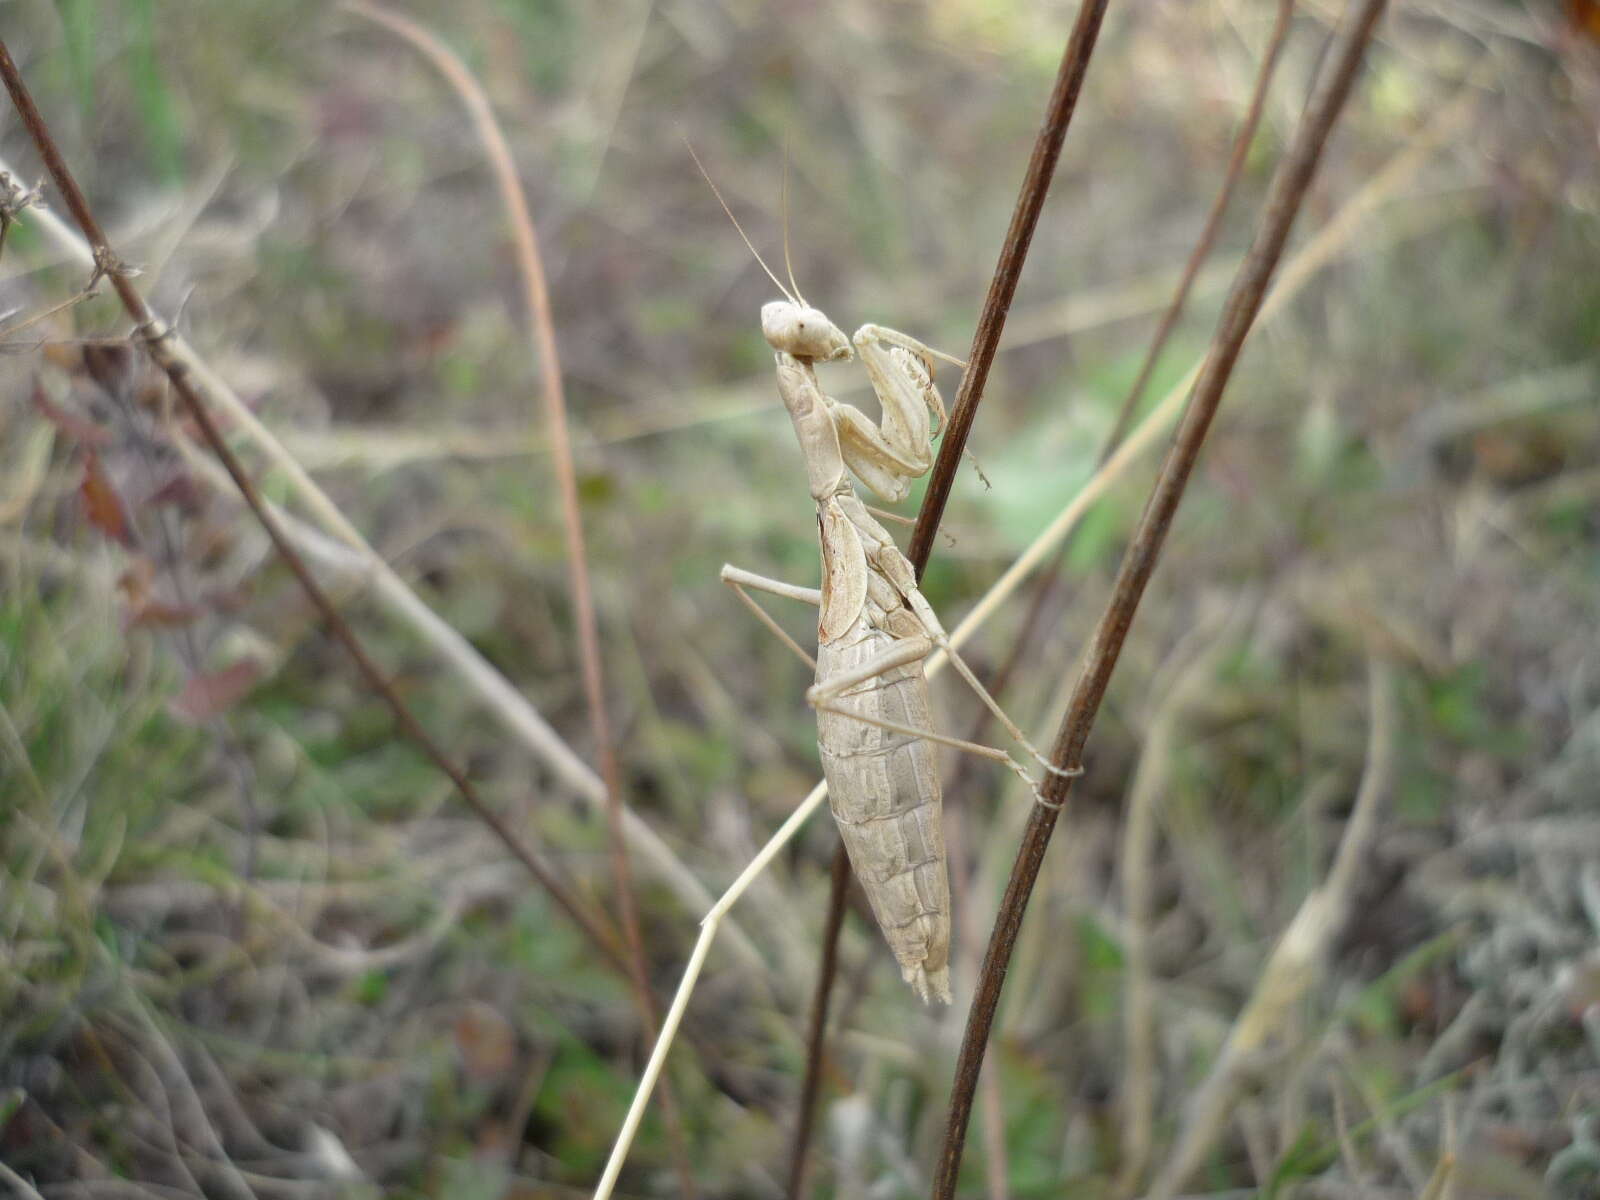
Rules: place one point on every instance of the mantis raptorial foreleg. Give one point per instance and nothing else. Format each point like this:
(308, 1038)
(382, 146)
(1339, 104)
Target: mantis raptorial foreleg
(900, 369)
(886, 455)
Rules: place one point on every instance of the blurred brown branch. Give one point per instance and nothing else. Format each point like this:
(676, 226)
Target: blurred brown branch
(152, 333)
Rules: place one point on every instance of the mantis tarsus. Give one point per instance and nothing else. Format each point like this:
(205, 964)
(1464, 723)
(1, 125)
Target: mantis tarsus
(875, 628)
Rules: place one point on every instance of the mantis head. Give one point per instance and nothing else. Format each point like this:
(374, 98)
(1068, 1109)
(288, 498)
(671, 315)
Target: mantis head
(803, 331)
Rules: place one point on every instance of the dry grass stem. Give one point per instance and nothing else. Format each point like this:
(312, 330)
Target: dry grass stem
(1296, 962)
(536, 296)
(1213, 224)
(816, 1047)
(1320, 919)
(154, 336)
(1198, 656)
(18, 1184)
(1059, 108)
(1288, 189)
(1063, 102)
(498, 694)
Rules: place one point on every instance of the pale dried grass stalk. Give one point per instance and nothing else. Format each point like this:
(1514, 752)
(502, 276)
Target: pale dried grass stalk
(17, 1183)
(1196, 659)
(1316, 254)
(1296, 962)
(354, 556)
(536, 294)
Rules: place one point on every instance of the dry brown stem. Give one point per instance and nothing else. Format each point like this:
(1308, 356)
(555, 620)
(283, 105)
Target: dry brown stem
(536, 295)
(1289, 186)
(155, 337)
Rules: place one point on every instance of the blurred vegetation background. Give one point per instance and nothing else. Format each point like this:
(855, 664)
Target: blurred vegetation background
(253, 944)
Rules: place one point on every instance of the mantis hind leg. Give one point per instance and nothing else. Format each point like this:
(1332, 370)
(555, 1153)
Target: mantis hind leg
(924, 613)
(825, 697)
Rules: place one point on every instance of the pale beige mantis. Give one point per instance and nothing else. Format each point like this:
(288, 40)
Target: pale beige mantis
(1150, 433)
(875, 629)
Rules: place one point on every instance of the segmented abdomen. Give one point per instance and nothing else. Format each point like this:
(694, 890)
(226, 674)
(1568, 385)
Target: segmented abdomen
(884, 790)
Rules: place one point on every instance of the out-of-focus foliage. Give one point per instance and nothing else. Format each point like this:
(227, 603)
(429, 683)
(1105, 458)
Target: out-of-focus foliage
(251, 943)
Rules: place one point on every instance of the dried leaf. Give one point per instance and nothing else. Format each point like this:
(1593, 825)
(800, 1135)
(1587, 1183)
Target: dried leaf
(158, 614)
(1585, 17)
(137, 582)
(207, 696)
(110, 364)
(102, 505)
(182, 491)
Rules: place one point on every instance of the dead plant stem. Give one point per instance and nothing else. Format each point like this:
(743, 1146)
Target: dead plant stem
(1044, 587)
(152, 334)
(1003, 286)
(1288, 189)
(1035, 187)
(816, 1048)
(536, 295)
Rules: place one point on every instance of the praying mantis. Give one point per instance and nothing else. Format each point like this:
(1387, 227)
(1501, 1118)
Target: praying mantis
(875, 628)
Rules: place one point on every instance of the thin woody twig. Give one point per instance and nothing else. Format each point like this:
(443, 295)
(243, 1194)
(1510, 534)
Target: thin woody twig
(1288, 190)
(1044, 587)
(1208, 233)
(152, 334)
(1003, 286)
(498, 695)
(827, 970)
(1136, 1124)
(1318, 252)
(536, 295)
(991, 322)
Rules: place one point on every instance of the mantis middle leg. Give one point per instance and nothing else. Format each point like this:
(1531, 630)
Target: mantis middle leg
(825, 696)
(738, 579)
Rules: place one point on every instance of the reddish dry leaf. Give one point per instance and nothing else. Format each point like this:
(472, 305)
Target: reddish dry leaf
(158, 614)
(228, 600)
(137, 582)
(207, 696)
(182, 491)
(486, 1041)
(110, 364)
(1585, 17)
(102, 505)
(80, 430)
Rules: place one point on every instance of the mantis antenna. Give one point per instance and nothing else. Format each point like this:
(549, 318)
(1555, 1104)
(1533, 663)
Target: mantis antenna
(787, 262)
(710, 183)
